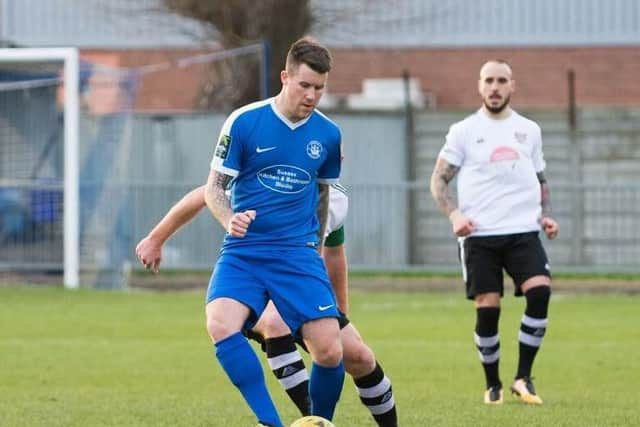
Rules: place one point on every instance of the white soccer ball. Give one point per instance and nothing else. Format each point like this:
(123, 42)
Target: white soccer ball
(312, 421)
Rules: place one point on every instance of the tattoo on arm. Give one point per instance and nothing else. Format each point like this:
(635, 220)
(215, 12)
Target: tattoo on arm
(443, 173)
(323, 211)
(216, 198)
(545, 194)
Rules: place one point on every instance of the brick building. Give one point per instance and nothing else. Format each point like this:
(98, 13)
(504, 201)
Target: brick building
(440, 44)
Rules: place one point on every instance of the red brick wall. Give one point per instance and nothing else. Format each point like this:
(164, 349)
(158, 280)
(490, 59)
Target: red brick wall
(175, 89)
(604, 76)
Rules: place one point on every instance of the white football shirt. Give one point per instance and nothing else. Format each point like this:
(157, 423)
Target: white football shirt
(338, 207)
(497, 183)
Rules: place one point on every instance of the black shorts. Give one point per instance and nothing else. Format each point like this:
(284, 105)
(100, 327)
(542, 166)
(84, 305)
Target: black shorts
(484, 258)
(343, 321)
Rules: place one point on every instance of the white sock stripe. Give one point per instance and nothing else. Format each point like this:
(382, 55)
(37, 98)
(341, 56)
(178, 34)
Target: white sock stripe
(377, 390)
(529, 339)
(489, 358)
(532, 322)
(283, 360)
(383, 407)
(295, 379)
(486, 341)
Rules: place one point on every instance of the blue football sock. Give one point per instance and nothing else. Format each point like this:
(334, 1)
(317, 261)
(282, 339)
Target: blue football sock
(325, 386)
(244, 370)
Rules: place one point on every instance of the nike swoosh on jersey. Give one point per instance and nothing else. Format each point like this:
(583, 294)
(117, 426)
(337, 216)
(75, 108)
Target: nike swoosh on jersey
(265, 149)
(324, 307)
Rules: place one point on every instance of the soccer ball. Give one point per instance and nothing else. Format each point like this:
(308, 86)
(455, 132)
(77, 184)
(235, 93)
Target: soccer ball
(312, 421)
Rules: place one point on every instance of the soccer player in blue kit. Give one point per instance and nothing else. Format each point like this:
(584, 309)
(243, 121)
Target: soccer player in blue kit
(372, 385)
(280, 155)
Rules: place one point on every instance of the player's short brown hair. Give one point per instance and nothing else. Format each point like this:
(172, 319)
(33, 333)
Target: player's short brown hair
(308, 51)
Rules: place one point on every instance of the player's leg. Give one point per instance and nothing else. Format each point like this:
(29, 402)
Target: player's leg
(284, 358)
(528, 265)
(374, 387)
(322, 338)
(482, 272)
(300, 289)
(335, 259)
(487, 341)
(231, 300)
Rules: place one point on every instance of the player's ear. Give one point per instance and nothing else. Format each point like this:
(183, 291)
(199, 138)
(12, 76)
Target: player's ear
(284, 76)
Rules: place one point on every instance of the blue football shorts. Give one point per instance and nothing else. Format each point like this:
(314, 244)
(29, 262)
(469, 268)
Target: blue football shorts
(294, 278)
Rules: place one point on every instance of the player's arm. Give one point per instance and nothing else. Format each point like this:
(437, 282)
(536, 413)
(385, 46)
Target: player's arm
(443, 173)
(323, 213)
(235, 224)
(549, 225)
(149, 249)
(335, 259)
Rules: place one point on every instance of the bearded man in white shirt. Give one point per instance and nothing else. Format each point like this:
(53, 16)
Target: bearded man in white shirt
(502, 205)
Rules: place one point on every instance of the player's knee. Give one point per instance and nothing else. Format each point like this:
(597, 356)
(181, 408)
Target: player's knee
(329, 354)
(538, 301)
(359, 360)
(218, 329)
(539, 294)
(490, 299)
(271, 325)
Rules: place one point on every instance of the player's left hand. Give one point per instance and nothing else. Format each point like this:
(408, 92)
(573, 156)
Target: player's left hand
(550, 227)
(149, 253)
(239, 223)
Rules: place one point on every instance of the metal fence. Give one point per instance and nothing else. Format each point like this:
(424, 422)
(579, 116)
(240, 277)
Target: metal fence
(598, 229)
(393, 222)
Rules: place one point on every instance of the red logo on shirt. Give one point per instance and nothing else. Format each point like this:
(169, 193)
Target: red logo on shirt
(503, 154)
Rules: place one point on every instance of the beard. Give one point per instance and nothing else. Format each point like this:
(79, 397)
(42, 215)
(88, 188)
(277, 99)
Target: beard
(497, 109)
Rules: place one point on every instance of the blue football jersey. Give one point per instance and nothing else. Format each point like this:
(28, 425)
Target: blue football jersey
(277, 165)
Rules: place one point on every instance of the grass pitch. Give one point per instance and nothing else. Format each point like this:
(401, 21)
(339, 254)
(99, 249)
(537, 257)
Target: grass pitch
(95, 358)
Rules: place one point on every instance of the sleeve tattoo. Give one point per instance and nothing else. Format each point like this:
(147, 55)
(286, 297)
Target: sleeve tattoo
(216, 198)
(545, 194)
(443, 173)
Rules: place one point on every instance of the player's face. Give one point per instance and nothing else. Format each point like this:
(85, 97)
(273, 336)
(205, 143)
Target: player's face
(302, 89)
(495, 86)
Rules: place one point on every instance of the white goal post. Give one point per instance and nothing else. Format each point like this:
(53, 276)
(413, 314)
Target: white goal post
(70, 59)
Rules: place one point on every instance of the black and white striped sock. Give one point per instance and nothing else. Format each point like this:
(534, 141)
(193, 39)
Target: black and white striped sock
(532, 328)
(376, 394)
(287, 365)
(487, 342)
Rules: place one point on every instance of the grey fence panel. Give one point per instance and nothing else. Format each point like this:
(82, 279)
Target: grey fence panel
(596, 214)
(173, 154)
(168, 156)
(609, 240)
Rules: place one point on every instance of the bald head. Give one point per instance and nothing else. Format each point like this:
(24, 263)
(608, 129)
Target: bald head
(496, 65)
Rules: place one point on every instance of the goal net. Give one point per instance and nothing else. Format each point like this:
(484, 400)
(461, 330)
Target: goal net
(38, 159)
(72, 134)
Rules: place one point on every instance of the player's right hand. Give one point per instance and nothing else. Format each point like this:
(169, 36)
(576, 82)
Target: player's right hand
(149, 253)
(460, 224)
(239, 223)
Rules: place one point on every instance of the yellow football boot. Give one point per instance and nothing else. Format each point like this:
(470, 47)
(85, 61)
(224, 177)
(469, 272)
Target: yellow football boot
(523, 388)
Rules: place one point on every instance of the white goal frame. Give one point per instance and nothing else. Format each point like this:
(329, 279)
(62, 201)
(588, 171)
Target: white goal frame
(70, 59)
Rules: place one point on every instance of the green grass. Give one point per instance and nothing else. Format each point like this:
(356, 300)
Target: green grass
(96, 358)
(417, 273)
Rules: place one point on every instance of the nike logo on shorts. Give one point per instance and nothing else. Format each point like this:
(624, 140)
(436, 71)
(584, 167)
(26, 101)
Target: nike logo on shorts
(264, 150)
(324, 307)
